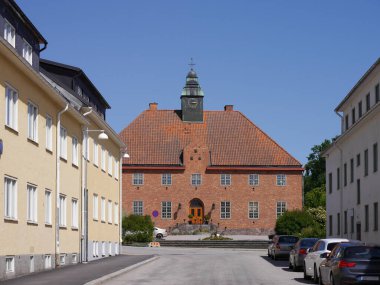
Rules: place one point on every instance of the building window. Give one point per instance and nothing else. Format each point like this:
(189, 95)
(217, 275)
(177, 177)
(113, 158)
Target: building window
(103, 159)
(109, 248)
(49, 133)
(95, 207)
(353, 116)
(358, 191)
(62, 211)
(31, 203)
(109, 211)
(110, 159)
(103, 209)
(48, 207)
(74, 214)
(366, 218)
(94, 249)
(346, 121)
(166, 210)
(253, 210)
(225, 179)
(345, 174)
(10, 198)
(116, 214)
(74, 258)
(11, 113)
(330, 182)
(62, 259)
(86, 146)
(47, 262)
(338, 224)
(375, 216)
(196, 179)
(103, 248)
(366, 162)
(330, 225)
(31, 264)
(225, 210)
(32, 122)
(281, 180)
(27, 52)
(116, 248)
(352, 224)
(375, 157)
(9, 33)
(345, 222)
(75, 151)
(138, 208)
(352, 170)
(63, 143)
(281, 208)
(9, 264)
(360, 109)
(358, 160)
(116, 169)
(96, 154)
(377, 95)
(166, 179)
(368, 102)
(138, 179)
(253, 179)
(338, 178)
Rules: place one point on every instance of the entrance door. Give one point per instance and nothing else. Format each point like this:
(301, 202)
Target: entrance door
(196, 211)
(358, 231)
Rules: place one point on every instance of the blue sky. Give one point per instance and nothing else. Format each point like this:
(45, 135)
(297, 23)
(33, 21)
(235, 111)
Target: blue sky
(285, 64)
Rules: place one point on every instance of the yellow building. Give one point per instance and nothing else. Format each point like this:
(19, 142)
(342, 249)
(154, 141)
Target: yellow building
(59, 159)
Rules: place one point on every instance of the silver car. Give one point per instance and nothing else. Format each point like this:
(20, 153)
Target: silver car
(281, 245)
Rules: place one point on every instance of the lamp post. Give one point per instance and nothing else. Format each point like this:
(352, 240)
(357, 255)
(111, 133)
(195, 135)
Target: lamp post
(85, 155)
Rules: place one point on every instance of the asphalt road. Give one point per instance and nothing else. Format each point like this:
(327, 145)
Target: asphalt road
(181, 266)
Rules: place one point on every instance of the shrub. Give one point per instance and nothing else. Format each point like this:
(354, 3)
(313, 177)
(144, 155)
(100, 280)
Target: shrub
(292, 222)
(137, 229)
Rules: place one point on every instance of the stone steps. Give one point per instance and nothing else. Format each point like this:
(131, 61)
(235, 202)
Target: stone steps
(252, 244)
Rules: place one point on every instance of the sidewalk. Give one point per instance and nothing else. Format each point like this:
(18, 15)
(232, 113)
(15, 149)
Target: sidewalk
(81, 273)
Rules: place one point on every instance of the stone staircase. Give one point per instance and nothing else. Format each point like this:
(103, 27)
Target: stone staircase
(250, 244)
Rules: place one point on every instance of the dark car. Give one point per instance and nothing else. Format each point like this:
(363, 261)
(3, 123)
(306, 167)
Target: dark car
(350, 263)
(299, 251)
(281, 245)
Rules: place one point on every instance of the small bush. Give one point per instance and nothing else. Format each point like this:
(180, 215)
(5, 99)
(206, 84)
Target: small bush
(137, 229)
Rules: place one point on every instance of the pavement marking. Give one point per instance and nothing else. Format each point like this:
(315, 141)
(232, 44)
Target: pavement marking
(105, 278)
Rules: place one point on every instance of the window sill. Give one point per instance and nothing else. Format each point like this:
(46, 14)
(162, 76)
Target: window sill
(32, 141)
(110, 175)
(95, 165)
(48, 225)
(75, 165)
(110, 223)
(11, 220)
(12, 130)
(95, 220)
(74, 228)
(63, 159)
(103, 222)
(32, 223)
(48, 150)
(63, 227)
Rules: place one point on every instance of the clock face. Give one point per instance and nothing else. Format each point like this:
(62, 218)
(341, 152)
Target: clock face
(192, 103)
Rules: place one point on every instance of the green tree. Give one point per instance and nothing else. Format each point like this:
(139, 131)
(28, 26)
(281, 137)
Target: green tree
(316, 197)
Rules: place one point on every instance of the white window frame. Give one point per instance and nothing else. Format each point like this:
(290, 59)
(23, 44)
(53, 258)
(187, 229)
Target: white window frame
(47, 261)
(253, 210)
(75, 151)
(96, 153)
(97, 248)
(27, 52)
(62, 211)
(49, 133)
(63, 144)
(103, 248)
(31, 264)
(48, 213)
(166, 210)
(32, 121)
(116, 214)
(10, 198)
(31, 207)
(9, 33)
(110, 160)
(116, 164)
(166, 179)
(116, 245)
(93, 248)
(74, 213)
(138, 179)
(225, 179)
(225, 210)
(109, 214)
(253, 179)
(9, 264)
(196, 179)
(74, 258)
(103, 209)
(281, 179)
(95, 207)
(280, 208)
(103, 158)
(109, 248)
(62, 259)
(138, 208)
(11, 107)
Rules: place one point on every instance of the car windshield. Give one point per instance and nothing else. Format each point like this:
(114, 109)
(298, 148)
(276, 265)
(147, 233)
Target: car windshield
(288, 239)
(362, 252)
(331, 245)
(308, 242)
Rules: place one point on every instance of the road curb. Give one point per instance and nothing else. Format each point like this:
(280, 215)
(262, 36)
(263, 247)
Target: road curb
(104, 278)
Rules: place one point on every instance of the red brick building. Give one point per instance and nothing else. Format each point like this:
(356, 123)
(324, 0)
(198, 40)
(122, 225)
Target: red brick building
(198, 166)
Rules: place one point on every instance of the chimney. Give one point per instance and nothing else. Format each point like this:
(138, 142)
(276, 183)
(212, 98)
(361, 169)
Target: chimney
(153, 106)
(228, 107)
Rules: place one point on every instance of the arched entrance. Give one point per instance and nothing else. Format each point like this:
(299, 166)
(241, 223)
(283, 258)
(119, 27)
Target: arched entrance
(196, 210)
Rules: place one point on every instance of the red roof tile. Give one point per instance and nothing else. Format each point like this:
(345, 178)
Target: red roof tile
(158, 137)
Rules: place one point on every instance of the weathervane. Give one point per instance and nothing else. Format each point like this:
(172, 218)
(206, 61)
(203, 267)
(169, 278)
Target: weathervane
(191, 64)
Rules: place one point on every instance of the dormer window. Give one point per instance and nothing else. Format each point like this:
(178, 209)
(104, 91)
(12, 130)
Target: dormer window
(27, 52)
(9, 33)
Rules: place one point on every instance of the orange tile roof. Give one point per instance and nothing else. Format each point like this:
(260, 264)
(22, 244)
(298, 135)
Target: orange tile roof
(158, 137)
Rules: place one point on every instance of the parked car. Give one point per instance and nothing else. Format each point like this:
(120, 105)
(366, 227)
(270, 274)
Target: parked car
(298, 253)
(351, 263)
(281, 245)
(315, 256)
(159, 233)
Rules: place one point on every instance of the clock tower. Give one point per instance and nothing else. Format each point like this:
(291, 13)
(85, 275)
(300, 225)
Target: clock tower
(192, 99)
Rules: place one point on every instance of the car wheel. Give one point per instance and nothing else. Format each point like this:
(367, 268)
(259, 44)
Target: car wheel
(315, 277)
(159, 236)
(305, 276)
(268, 254)
(274, 256)
(291, 266)
(332, 279)
(320, 278)
(295, 267)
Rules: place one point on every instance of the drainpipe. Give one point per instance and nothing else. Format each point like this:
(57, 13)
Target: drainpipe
(341, 176)
(57, 183)
(120, 200)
